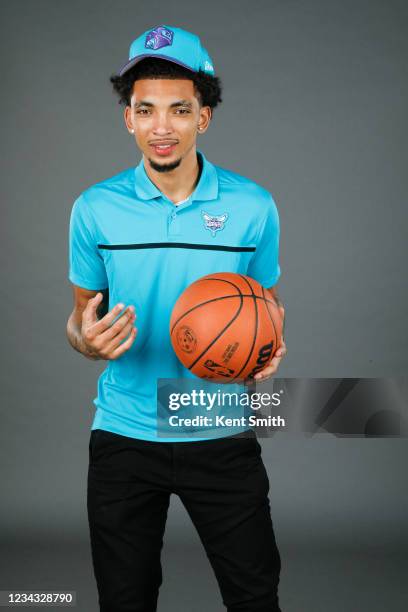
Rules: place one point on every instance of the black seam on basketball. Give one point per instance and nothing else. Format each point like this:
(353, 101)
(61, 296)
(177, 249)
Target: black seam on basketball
(219, 335)
(223, 297)
(271, 317)
(256, 327)
(222, 280)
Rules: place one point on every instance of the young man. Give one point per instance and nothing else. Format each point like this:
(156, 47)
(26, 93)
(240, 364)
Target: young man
(137, 240)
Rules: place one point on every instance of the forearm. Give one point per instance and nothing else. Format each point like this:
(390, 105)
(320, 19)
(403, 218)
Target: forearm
(274, 294)
(76, 341)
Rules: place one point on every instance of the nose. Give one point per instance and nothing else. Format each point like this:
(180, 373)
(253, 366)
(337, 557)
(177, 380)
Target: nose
(162, 124)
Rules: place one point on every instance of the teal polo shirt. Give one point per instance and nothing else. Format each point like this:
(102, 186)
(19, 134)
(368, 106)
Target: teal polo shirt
(127, 236)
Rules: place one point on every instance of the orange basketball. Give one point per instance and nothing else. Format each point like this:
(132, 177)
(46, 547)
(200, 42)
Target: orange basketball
(225, 327)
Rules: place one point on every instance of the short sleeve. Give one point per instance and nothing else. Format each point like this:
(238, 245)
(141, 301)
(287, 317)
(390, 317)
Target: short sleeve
(264, 265)
(86, 265)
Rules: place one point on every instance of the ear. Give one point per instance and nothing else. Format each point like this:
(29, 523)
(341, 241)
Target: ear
(128, 118)
(205, 118)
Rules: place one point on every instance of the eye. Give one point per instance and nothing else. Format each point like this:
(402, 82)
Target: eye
(142, 111)
(183, 111)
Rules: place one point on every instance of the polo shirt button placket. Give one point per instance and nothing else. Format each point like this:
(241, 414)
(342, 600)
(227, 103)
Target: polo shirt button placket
(174, 225)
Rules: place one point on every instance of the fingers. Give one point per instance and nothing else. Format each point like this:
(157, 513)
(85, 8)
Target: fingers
(109, 347)
(128, 316)
(266, 373)
(103, 324)
(106, 336)
(273, 366)
(89, 312)
(125, 346)
(281, 350)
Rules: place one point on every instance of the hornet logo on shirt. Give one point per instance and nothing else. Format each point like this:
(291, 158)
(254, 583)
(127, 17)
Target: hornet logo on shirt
(159, 37)
(214, 224)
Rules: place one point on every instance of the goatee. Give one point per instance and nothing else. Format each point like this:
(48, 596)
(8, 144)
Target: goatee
(164, 167)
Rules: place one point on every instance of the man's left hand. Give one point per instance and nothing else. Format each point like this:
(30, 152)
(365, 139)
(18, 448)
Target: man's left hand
(273, 365)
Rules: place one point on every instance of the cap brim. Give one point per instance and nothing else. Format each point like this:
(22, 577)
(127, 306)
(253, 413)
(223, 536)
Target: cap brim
(137, 59)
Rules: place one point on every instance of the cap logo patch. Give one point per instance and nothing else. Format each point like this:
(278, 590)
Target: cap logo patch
(159, 37)
(214, 224)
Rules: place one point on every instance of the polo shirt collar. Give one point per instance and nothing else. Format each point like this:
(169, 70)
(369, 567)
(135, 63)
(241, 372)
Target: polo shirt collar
(207, 188)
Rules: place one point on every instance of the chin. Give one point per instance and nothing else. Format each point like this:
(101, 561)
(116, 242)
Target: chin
(164, 166)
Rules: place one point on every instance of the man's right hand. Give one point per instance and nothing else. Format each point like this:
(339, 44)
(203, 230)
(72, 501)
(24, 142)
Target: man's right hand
(103, 338)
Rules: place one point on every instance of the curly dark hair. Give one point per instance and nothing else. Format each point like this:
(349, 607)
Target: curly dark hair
(208, 88)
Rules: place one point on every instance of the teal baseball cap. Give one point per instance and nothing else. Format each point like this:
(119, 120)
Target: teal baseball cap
(172, 44)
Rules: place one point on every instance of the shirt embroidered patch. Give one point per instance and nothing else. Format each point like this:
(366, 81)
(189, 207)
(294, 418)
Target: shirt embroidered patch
(214, 224)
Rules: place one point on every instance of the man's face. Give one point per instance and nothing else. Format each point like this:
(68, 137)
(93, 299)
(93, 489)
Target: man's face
(165, 115)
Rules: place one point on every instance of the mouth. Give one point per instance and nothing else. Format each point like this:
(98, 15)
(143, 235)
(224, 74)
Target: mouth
(163, 148)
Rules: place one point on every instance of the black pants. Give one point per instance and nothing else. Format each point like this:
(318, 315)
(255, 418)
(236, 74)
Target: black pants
(224, 487)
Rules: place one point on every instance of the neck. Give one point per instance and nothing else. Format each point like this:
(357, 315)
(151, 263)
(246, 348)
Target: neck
(179, 183)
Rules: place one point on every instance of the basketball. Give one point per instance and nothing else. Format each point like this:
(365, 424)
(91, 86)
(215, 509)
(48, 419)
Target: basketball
(225, 327)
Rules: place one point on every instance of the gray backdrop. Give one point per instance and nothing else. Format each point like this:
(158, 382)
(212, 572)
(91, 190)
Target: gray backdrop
(315, 99)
